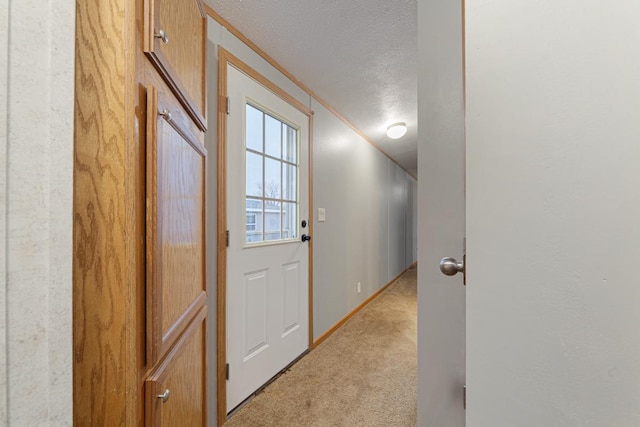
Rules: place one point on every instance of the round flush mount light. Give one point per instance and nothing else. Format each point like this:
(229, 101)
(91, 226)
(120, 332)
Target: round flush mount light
(396, 130)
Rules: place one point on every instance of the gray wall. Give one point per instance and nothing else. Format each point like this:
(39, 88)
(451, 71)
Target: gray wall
(370, 218)
(369, 235)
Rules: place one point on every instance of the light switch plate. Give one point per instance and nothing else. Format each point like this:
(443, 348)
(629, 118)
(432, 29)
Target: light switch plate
(321, 215)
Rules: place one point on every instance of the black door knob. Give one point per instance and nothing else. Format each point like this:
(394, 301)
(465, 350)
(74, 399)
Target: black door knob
(305, 238)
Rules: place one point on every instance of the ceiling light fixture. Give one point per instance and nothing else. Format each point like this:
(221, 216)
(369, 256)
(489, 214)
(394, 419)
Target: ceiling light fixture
(397, 130)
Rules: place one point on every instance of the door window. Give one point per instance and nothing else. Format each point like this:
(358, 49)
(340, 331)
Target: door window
(271, 177)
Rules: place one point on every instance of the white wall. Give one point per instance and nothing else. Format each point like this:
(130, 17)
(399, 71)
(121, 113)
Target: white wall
(36, 172)
(553, 207)
(369, 202)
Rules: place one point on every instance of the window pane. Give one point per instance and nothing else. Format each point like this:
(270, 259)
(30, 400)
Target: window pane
(250, 223)
(254, 174)
(273, 136)
(289, 180)
(289, 221)
(290, 144)
(272, 220)
(253, 221)
(254, 128)
(272, 177)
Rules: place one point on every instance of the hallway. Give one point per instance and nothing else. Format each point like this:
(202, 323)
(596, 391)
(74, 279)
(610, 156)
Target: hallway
(362, 375)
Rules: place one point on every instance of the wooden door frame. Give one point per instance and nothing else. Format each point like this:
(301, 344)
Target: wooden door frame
(226, 58)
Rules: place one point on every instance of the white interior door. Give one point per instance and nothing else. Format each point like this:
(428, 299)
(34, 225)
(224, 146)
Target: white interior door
(441, 215)
(553, 213)
(267, 205)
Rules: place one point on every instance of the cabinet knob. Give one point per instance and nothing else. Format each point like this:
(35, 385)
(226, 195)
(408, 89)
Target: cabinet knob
(162, 35)
(166, 114)
(164, 396)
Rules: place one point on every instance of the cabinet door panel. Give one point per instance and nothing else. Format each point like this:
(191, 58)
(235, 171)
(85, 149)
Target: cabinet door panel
(176, 285)
(176, 390)
(175, 41)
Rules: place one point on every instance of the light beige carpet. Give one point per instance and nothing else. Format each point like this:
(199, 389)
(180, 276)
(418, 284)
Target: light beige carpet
(362, 375)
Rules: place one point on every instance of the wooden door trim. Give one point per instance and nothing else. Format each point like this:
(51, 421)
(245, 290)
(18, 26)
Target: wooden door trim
(226, 58)
(221, 323)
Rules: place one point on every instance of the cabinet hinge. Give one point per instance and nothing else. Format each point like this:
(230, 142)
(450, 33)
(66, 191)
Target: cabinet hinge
(227, 372)
(464, 393)
(227, 237)
(228, 106)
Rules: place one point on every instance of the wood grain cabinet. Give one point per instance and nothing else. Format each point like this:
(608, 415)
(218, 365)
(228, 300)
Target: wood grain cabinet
(176, 293)
(139, 291)
(176, 286)
(176, 390)
(175, 37)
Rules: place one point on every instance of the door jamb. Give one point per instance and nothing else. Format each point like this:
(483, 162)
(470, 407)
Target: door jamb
(225, 58)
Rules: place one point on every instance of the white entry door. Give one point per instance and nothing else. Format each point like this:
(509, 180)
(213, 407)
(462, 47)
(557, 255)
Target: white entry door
(267, 214)
(553, 213)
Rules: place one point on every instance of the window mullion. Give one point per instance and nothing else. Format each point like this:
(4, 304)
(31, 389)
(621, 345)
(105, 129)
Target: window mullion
(264, 184)
(281, 180)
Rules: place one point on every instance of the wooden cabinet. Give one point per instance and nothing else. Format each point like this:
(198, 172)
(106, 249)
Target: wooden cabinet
(176, 390)
(175, 37)
(176, 287)
(139, 264)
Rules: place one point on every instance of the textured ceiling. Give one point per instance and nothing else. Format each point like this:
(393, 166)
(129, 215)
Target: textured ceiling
(357, 55)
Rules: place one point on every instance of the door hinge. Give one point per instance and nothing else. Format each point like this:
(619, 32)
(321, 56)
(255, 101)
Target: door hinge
(227, 237)
(228, 106)
(227, 372)
(464, 394)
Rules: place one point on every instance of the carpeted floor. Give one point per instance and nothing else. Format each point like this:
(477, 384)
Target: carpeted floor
(362, 375)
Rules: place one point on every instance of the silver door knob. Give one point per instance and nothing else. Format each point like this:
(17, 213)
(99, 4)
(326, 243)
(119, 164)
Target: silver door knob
(450, 266)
